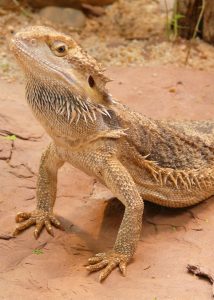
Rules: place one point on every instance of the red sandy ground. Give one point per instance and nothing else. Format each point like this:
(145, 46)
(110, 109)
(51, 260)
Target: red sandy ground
(158, 270)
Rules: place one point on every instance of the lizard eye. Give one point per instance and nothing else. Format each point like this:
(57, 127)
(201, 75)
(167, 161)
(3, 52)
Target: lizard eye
(59, 48)
(91, 81)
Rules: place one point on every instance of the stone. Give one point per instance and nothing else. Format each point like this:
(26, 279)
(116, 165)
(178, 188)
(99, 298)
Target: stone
(98, 2)
(11, 4)
(64, 16)
(67, 3)
(60, 3)
(169, 3)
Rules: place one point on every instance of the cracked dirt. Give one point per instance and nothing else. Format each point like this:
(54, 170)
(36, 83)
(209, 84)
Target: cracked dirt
(53, 268)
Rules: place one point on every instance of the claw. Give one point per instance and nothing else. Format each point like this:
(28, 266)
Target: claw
(123, 268)
(36, 233)
(15, 233)
(104, 274)
(38, 229)
(49, 227)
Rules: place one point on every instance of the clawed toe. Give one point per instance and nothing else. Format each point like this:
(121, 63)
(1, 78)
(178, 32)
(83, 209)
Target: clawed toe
(49, 227)
(38, 229)
(97, 258)
(97, 266)
(56, 222)
(24, 225)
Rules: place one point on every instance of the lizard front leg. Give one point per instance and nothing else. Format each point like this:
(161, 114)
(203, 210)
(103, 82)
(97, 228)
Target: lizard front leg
(46, 195)
(119, 181)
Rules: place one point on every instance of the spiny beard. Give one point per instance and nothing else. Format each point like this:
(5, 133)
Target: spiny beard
(56, 98)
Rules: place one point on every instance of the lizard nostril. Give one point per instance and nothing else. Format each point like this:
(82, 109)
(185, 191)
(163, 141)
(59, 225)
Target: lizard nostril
(33, 42)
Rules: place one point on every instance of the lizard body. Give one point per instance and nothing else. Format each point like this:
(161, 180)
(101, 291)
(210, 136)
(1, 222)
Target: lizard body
(167, 162)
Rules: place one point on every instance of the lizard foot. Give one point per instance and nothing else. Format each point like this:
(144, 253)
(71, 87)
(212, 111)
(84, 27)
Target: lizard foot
(109, 261)
(39, 218)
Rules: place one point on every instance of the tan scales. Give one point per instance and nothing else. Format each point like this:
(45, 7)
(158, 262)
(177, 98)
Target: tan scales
(166, 162)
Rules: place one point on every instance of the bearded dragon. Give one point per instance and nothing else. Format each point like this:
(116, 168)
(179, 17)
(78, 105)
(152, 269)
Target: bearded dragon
(166, 162)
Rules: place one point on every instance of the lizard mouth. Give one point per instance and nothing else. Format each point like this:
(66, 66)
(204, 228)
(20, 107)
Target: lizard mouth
(18, 47)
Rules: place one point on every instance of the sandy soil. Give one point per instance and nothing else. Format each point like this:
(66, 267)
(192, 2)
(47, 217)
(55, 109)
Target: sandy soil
(53, 268)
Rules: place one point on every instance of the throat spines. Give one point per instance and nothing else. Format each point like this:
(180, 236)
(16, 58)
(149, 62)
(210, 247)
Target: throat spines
(59, 100)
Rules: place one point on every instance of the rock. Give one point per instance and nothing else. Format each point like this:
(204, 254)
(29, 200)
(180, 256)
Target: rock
(134, 21)
(11, 4)
(168, 3)
(64, 16)
(98, 2)
(60, 3)
(67, 3)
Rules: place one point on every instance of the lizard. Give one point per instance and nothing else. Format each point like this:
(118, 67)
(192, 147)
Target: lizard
(167, 162)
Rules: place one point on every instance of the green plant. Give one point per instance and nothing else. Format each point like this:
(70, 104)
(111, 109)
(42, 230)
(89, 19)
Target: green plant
(172, 24)
(10, 137)
(37, 251)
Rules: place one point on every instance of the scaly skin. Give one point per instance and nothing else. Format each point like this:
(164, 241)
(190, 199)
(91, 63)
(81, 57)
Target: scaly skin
(166, 162)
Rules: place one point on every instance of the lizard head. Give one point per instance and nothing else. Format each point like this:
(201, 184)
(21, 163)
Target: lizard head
(50, 56)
